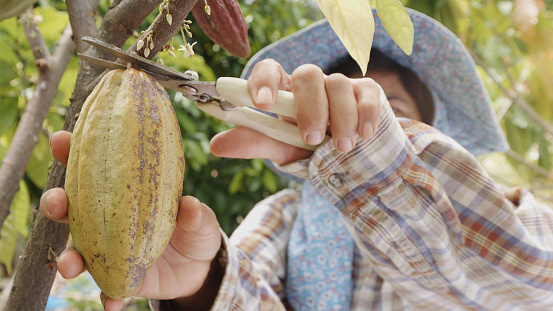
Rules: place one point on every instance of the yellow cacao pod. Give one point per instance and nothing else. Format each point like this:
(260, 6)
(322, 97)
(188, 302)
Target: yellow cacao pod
(124, 179)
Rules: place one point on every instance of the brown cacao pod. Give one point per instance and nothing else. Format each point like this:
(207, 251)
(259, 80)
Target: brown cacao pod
(225, 25)
(124, 179)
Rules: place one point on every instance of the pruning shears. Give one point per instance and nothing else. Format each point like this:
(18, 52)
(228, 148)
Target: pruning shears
(227, 99)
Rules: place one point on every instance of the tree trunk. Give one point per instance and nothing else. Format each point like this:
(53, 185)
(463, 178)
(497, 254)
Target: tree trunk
(37, 268)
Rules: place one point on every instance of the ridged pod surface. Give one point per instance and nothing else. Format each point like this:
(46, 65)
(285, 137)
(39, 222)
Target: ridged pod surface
(124, 179)
(225, 25)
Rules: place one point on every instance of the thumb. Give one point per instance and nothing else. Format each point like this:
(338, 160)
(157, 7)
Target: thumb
(245, 143)
(111, 304)
(197, 235)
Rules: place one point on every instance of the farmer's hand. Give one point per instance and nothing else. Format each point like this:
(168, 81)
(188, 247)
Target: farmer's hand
(351, 105)
(180, 271)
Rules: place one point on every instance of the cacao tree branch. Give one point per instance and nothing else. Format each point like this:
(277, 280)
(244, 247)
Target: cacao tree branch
(160, 29)
(535, 168)
(36, 42)
(545, 187)
(36, 270)
(82, 21)
(516, 98)
(26, 134)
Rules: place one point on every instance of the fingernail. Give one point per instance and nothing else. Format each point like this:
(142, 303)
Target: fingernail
(367, 130)
(50, 141)
(314, 138)
(345, 144)
(46, 204)
(264, 96)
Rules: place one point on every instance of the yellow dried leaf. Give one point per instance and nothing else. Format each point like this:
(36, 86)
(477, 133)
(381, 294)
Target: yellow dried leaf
(397, 23)
(353, 22)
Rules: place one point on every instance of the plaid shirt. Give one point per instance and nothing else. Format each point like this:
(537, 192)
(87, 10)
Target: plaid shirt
(432, 230)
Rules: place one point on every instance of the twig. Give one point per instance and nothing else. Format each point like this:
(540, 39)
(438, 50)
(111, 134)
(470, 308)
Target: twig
(81, 21)
(36, 42)
(160, 29)
(501, 180)
(546, 187)
(30, 125)
(521, 103)
(537, 169)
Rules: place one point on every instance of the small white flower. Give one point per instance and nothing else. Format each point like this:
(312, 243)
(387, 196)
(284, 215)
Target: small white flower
(152, 45)
(171, 53)
(187, 49)
(207, 9)
(169, 18)
(162, 7)
(146, 52)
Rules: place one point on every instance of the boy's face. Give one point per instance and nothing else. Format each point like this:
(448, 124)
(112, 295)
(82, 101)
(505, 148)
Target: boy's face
(403, 104)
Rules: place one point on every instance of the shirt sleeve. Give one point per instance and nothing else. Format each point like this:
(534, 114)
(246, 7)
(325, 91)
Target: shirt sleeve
(433, 223)
(255, 257)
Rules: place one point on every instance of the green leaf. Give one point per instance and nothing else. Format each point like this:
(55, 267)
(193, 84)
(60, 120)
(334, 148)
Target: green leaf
(236, 183)
(8, 72)
(15, 223)
(10, 112)
(20, 209)
(54, 121)
(270, 180)
(353, 22)
(257, 164)
(53, 23)
(195, 154)
(186, 123)
(397, 23)
(545, 157)
(39, 162)
(8, 240)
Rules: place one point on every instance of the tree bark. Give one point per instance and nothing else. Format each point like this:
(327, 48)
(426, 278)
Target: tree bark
(51, 70)
(37, 268)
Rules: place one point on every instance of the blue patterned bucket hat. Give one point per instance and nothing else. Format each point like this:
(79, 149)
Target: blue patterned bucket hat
(463, 109)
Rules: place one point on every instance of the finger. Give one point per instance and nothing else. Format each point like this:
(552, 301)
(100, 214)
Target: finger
(111, 304)
(59, 146)
(367, 94)
(244, 143)
(70, 263)
(343, 111)
(53, 205)
(266, 79)
(197, 235)
(311, 103)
